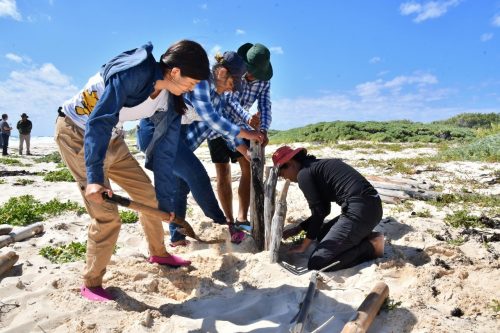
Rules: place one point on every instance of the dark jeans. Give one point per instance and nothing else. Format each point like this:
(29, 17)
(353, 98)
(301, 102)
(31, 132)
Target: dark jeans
(191, 175)
(5, 143)
(344, 238)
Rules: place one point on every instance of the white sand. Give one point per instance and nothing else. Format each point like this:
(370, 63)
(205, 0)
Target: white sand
(229, 288)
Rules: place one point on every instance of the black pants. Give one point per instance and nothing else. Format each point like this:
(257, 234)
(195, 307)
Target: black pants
(5, 143)
(344, 238)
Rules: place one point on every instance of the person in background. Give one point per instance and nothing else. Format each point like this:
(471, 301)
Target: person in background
(348, 238)
(128, 87)
(256, 86)
(24, 127)
(5, 128)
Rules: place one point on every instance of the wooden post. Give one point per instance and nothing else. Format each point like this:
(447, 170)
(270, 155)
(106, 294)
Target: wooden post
(23, 233)
(7, 261)
(277, 224)
(368, 309)
(269, 204)
(257, 194)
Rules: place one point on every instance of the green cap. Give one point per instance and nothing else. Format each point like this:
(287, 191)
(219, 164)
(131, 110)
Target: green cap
(258, 60)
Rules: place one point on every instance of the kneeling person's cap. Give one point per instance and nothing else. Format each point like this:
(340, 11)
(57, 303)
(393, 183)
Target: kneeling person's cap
(284, 154)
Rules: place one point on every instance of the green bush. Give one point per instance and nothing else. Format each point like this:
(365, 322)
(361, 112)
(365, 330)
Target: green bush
(25, 210)
(484, 149)
(10, 161)
(462, 219)
(23, 181)
(128, 216)
(61, 175)
(54, 157)
(74, 251)
(472, 120)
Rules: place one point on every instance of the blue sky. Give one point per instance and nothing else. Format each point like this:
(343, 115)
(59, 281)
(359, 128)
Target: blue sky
(332, 59)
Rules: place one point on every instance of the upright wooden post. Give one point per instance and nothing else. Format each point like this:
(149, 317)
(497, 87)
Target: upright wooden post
(277, 224)
(257, 194)
(269, 203)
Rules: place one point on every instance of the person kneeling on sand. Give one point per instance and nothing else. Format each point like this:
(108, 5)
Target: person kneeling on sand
(90, 141)
(348, 238)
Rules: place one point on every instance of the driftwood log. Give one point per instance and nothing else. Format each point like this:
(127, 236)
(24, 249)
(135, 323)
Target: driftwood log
(257, 194)
(5, 229)
(269, 204)
(7, 260)
(277, 224)
(368, 309)
(20, 234)
(397, 190)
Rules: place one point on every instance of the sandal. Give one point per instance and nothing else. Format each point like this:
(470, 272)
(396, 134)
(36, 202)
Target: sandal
(96, 294)
(171, 260)
(237, 236)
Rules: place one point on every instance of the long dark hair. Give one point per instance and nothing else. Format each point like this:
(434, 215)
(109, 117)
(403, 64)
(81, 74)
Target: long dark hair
(191, 59)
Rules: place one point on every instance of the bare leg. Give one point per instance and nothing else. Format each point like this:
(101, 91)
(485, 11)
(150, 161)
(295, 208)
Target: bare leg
(377, 240)
(224, 189)
(244, 189)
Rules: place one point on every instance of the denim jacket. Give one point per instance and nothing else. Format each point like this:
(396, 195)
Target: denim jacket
(129, 80)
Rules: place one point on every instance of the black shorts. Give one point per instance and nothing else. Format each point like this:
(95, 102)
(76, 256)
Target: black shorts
(220, 152)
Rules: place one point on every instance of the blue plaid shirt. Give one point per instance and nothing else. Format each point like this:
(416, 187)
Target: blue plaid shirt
(208, 105)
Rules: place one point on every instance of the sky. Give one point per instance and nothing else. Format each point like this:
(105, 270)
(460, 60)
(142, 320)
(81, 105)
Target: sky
(333, 60)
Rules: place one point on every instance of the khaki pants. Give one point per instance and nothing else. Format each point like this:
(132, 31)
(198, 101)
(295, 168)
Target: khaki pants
(121, 167)
(22, 138)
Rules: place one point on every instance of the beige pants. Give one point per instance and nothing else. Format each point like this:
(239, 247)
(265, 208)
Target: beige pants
(121, 167)
(22, 138)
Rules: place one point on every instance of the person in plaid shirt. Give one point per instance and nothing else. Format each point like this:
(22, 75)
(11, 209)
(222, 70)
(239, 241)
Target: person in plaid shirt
(256, 87)
(207, 101)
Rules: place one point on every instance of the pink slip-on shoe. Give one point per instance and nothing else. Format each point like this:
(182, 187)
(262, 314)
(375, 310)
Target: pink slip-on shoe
(171, 260)
(96, 294)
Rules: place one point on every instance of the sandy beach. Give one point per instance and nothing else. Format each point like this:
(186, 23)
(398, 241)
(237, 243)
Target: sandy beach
(231, 288)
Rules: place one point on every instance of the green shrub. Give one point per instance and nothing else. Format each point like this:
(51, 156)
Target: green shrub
(462, 219)
(25, 210)
(472, 120)
(23, 181)
(54, 157)
(484, 149)
(128, 216)
(74, 251)
(10, 161)
(61, 175)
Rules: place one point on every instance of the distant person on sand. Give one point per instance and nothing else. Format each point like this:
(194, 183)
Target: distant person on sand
(5, 128)
(207, 101)
(256, 87)
(347, 238)
(90, 140)
(24, 127)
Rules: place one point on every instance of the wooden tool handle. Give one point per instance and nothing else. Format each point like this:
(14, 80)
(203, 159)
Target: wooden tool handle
(138, 207)
(368, 309)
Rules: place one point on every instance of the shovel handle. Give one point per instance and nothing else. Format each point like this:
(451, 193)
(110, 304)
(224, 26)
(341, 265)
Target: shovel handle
(126, 202)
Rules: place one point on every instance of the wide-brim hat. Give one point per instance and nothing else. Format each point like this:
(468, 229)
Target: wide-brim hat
(236, 67)
(258, 60)
(24, 115)
(284, 154)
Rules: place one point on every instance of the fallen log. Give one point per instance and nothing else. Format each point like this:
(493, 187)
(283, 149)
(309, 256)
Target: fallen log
(368, 309)
(21, 234)
(277, 223)
(390, 200)
(269, 204)
(5, 229)
(400, 181)
(7, 261)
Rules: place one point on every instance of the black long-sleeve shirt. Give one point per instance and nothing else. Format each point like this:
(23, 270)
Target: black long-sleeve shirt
(326, 181)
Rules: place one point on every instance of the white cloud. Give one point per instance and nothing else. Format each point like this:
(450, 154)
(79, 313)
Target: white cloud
(204, 6)
(428, 10)
(412, 97)
(276, 49)
(240, 32)
(375, 60)
(496, 20)
(486, 37)
(14, 57)
(9, 8)
(38, 92)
